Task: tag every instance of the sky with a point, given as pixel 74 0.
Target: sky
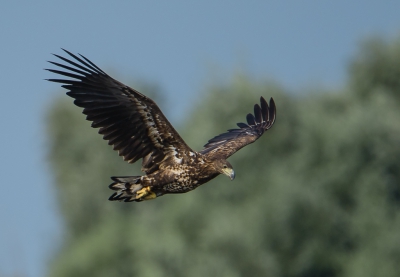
pixel 179 45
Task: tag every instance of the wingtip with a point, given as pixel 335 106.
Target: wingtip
pixel 272 104
pixel 68 52
pixel 251 119
pixel 272 111
pixel 271 101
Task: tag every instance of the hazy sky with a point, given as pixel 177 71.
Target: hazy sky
pixel 179 45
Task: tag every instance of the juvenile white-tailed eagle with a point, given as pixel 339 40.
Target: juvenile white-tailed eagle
pixel 137 129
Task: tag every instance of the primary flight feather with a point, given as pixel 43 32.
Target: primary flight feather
pixel 134 125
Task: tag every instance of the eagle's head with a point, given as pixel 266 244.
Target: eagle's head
pixel 224 167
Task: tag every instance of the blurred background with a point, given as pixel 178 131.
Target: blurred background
pixel 317 195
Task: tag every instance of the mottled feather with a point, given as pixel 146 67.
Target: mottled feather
pixel 135 126
pixel 129 120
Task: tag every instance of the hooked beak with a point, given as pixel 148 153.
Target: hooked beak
pixel 230 173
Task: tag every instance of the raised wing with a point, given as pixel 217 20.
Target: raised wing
pixel 226 144
pixel 129 120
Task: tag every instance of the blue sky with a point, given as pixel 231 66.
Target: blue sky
pixel 179 45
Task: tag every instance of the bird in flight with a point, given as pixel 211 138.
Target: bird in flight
pixel 135 126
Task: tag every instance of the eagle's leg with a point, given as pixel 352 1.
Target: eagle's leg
pixel 145 194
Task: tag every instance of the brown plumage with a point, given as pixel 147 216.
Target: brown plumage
pixel 135 127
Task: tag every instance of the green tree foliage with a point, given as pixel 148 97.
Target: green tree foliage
pixel 317 195
pixel 377 69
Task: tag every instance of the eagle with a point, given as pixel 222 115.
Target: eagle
pixel 135 126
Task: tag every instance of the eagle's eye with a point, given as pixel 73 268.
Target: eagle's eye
pixel 225 166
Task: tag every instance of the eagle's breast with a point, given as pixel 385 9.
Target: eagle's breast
pixel 186 177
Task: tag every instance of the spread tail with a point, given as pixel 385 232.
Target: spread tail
pixel 126 188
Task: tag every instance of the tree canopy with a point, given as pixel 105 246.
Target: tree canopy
pixel 318 195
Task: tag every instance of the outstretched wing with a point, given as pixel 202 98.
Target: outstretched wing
pixel 129 120
pixel 226 144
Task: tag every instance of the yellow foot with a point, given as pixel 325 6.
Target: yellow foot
pixel 145 193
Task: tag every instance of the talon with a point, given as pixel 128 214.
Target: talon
pixel 145 193
pixel 150 196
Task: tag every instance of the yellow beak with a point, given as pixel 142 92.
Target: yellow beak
pixel 229 172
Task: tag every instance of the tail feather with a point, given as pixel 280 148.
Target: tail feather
pixel 126 188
